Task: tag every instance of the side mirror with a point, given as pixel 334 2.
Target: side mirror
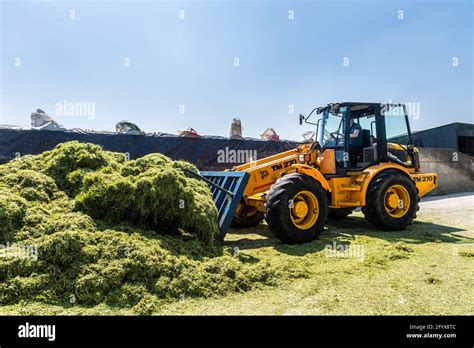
pixel 301 117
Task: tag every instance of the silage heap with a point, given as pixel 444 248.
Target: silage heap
pixel 83 226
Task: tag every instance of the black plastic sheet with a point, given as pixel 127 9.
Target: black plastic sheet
pixel 207 153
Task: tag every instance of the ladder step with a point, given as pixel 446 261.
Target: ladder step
pixel 350 188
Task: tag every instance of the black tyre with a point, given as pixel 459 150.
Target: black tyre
pixel 296 209
pixel 340 213
pixel 392 201
pixel 247 217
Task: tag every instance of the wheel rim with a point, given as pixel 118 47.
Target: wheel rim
pixel 397 201
pixel 304 210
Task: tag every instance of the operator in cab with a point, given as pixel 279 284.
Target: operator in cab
pixel 355 140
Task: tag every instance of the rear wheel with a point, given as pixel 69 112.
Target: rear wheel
pixel 392 201
pixel 296 209
pixel 246 217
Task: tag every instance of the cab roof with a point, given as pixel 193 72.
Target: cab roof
pixel 357 108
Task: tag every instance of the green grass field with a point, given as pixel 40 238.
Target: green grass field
pixel 426 269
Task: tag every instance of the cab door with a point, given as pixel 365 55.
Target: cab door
pixel 397 143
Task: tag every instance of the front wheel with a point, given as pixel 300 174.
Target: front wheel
pixel 296 209
pixel 392 201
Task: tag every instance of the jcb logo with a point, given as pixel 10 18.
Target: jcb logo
pixel 263 174
pixel 423 178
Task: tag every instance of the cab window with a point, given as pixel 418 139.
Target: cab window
pixel 396 130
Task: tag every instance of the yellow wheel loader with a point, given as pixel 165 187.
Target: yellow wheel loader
pixel 362 156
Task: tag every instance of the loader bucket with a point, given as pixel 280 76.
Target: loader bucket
pixel 227 189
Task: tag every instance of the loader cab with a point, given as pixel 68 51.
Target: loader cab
pixel 365 134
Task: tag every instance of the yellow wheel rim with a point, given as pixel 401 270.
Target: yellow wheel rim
pixel 397 201
pixel 304 209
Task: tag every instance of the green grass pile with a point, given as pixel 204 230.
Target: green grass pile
pixel 134 234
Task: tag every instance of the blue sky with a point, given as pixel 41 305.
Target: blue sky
pixel 284 63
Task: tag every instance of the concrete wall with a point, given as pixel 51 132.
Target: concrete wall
pixel 456 174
